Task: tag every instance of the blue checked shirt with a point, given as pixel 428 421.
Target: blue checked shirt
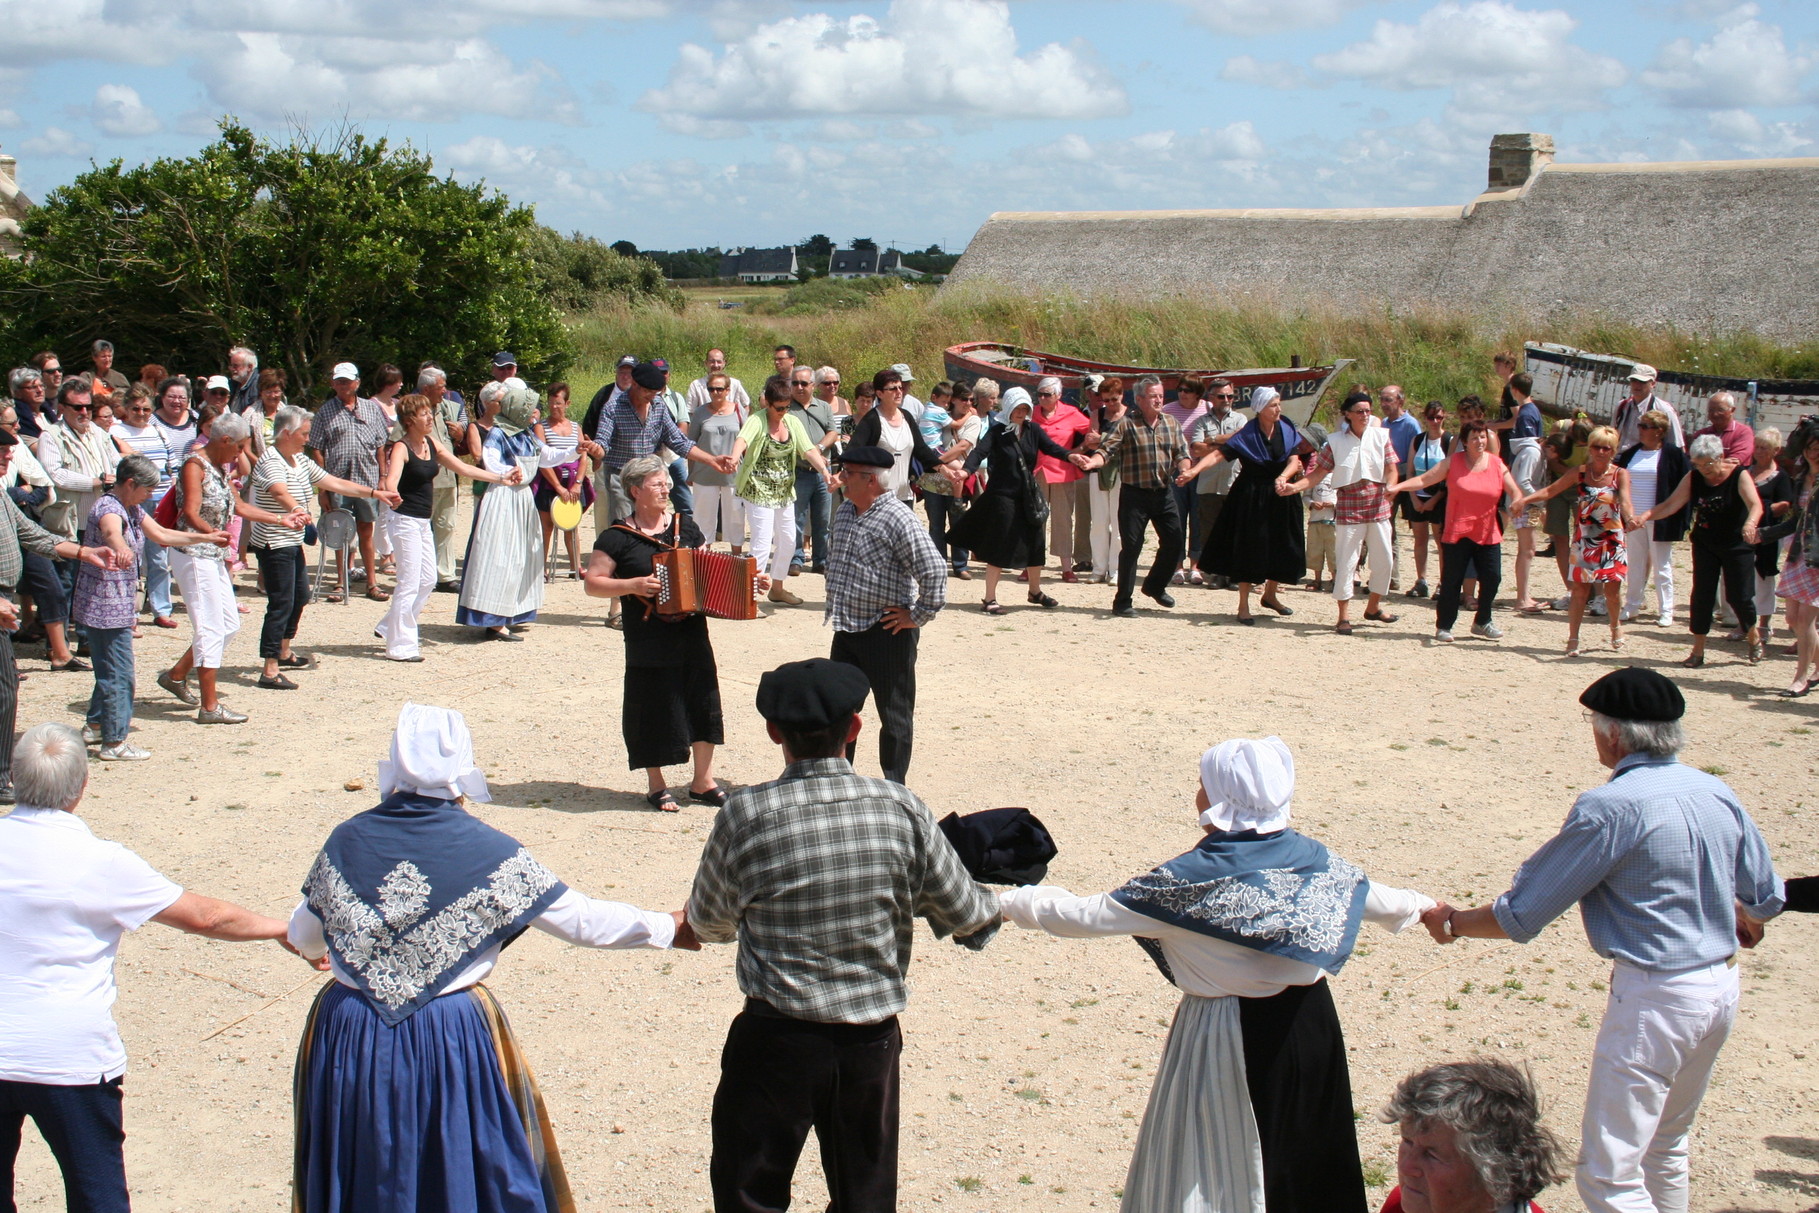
pixel 880 559
pixel 1656 859
pixel 626 436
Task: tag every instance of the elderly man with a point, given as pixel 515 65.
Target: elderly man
pixel 1641 399
pixel 1670 874
pixel 1361 461
pixel 606 398
pixel 66 899
pixel 450 433
pixel 505 366
pixel 101 355
pixel 344 439
pixel 243 373
pixel 1214 429
pixel 814 504
pixel 27 387
pixel 1151 451
pixel 1739 439
pixel 820 876
pixel 635 424
pixel 1063 483
pixel 698 395
pixel 885 580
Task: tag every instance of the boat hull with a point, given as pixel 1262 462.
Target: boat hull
pixel 1569 381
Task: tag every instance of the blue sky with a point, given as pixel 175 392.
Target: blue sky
pixel 675 123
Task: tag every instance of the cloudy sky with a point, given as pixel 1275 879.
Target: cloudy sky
pixel 675 123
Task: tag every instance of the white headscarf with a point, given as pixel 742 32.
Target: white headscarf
pixel 1249 784
pixel 432 755
pixel 1262 395
pixel 1012 398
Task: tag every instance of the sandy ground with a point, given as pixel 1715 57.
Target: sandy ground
pixel 1026 1066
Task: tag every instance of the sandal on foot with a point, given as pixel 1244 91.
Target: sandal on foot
pixel 293 662
pixel 74 665
pixel 1572 648
pixel 715 796
pixel 1381 617
pixel 278 683
pixel 990 607
pixel 1344 628
pixel 379 595
pixel 1758 651
pixel 662 801
pixel 1693 661
pixel 1043 600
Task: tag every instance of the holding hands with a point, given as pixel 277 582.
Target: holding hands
pixel 685 934
pixel 1436 920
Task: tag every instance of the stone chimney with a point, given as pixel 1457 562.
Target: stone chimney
pixel 1515 159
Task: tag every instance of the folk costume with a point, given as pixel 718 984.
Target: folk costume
pixel 1258 536
pixel 1007 524
pixel 1252 1105
pixel 411 1091
pixel 502 579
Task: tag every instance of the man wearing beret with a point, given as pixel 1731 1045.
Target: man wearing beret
pixel 820 876
pixel 631 426
pixel 885 579
pixel 1670 875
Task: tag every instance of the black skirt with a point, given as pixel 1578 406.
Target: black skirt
pixel 1301 1094
pixel 1259 535
pixel 996 530
pixel 666 710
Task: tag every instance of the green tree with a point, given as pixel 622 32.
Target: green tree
pixel 578 273
pixel 625 248
pixel 330 247
pixel 864 244
pixel 815 246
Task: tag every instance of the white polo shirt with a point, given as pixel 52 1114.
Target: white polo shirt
pixel 66 898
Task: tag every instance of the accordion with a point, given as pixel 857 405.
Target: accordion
pixel 695 581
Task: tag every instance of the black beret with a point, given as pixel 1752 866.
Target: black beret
pixel 7 438
pixel 868 457
pixel 650 375
pixel 1358 396
pixel 1633 693
pixel 813 694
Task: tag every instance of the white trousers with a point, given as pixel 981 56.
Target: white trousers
pixel 414 551
pixel 1765 596
pixel 1652 559
pixel 382 535
pixel 1350 543
pixel 1650 1067
pixel 773 537
pixel 719 501
pixel 1102 526
pixel 208 595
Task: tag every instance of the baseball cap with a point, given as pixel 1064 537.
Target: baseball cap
pixel 1642 372
pixel 661 364
pixel 345 370
pixel 505 358
pixel 902 368
pixel 629 360
pixel 217 383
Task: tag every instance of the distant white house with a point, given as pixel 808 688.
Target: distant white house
pixel 13 205
pixel 759 264
pixel 868 263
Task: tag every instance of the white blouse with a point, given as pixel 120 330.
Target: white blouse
pixel 1211 968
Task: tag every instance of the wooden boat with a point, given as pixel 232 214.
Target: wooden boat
pixel 1014 366
pixel 1570 381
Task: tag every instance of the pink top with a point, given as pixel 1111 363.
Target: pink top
pixel 1472 499
pixel 1739 441
pixel 1064 426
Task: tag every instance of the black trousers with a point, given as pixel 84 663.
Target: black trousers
pixel 889 661
pixel 1301 1094
pixel 1459 561
pixel 1138 509
pixel 286 594
pixel 780 1077
pixel 1737 567
pixel 9 712
pixel 85 1130
pixel 38 579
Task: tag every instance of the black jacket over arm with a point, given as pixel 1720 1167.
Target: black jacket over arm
pixel 1012 459
pixel 871 428
pixel 1674 467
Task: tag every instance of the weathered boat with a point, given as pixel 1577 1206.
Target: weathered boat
pixel 1014 366
pixel 1569 381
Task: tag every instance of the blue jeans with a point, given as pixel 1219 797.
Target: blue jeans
pixel 813 505
pixel 66 575
pixel 940 508
pixel 158 578
pixel 110 705
pixel 681 496
pixel 85 1130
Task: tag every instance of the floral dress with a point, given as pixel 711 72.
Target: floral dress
pixel 1598 550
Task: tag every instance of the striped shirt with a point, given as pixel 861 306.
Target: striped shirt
pixel 154 443
pixel 300 477
pixel 626 437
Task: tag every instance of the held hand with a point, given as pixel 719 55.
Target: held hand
pixel 1425 506
pixel 685 934
pixel 1749 931
pixel 320 964
pixel 9 614
pixel 101 558
pixel 1752 535
pixel 897 619
pixel 1435 922
pixel 218 538
pixel 728 464
pixel 390 498
pixel 296 520
pixel 514 477
pixel 832 481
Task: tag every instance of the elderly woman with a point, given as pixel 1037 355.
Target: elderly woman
pixel 284 480
pixel 1799 584
pixel 66 900
pixel 1007 524
pixel 1361 462
pixel 1726 510
pixel 1471 539
pixel 1655 465
pixel 940 496
pixel 1600 502
pixel 1472 1141
pixel 480 426
pixel 1106 410
pixel 1776 489
pixel 502 577
pixel 671 708
pixel 1252 1104
pixel 205 502
pixel 411 1091
pixel 103 601
pixel 1258 538
pixel 766 451
pixel 889 426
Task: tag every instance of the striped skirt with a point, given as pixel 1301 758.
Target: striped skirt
pixel 437 1113
pixel 502 578
pixel 1198 1150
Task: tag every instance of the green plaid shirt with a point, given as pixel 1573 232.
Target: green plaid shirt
pixel 1148 456
pixel 821 874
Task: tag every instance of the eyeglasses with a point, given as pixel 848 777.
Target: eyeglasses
pixel 1046 392
pixel 830 383
pixel 1225 395
pixel 891 387
pixel 802 383
pixel 80 408
pixel 1605 446
pixel 721 388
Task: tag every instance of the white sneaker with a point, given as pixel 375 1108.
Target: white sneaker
pixel 1487 631
pixel 124 751
pixel 91 735
pixel 1443 638
pixel 1598 608
pixel 1666 620
pixel 1562 602
pixel 1629 613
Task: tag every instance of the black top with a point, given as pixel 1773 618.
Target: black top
pixel 1718 510
pixel 1779 487
pixel 1671 471
pixel 869 431
pixel 414 483
pixel 1011 457
pixel 651 640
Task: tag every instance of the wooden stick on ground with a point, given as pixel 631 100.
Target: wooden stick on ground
pixel 274 1002
pixel 1457 960
pixel 226 981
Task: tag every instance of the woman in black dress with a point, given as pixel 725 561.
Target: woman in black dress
pixel 671 710
pixel 1258 537
pixel 1725 512
pixel 1007 524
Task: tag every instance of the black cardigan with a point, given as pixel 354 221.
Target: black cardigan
pixel 1012 460
pixel 1674 466
pixel 871 428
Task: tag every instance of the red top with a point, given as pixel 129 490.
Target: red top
pixel 1064 426
pixel 1394 1203
pixel 1739 441
pixel 1472 499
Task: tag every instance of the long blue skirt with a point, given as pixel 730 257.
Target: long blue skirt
pixel 434 1114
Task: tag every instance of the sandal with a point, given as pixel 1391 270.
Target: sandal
pixel 715 796
pixel 1043 600
pixel 1616 644
pixel 331 596
pixel 378 595
pixel 278 683
pixel 1276 607
pixel 74 665
pixel 1344 627
pixel 662 801
pixel 1572 647
pixel 1693 661
pixel 1381 617
pixel 1533 608
pixel 293 662
pixel 990 607
pixel 1758 651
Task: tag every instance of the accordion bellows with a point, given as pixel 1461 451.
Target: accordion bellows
pixel 695 581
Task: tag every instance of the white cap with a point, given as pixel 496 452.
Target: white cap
pixel 345 370
pixel 217 383
pixel 1642 372
pixel 902 368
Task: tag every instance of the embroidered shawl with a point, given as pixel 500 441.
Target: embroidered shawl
pixel 411 892
pixel 1282 893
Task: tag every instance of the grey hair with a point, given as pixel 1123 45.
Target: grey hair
pixel 1656 738
pixel 1048 383
pixel 230 427
pixel 1706 446
pixel 50 767
pixel 1145 384
pixel 429 375
pixel 492 391
pixel 245 353
pixel 138 469
pixel 288 419
pixel 19 376
pixel 1495 1112
pixel 988 386
pixel 101 347
pixel 1728 398
pixel 1772 436
pixel 821 374
pixel 636 471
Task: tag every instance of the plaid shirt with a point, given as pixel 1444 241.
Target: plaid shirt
pixel 821 875
pixel 349 439
pixel 1362 500
pixel 1150 455
pixel 881 558
pixel 626 436
pixel 16 532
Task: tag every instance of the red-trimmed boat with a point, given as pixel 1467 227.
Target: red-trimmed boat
pixel 1014 366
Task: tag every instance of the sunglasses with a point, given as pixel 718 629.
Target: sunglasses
pixel 1603 447
pixel 830 383
pixel 717 389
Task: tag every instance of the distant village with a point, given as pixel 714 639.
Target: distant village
pixel 815 257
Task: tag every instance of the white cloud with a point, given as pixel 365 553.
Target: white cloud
pixel 1501 63
pixel 1268 16
pixel 10 120
pixel 1262 73
pixel 119 111
pixel 55 141
pixel 1745 63
pixel 1745 132
pixel 926 57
